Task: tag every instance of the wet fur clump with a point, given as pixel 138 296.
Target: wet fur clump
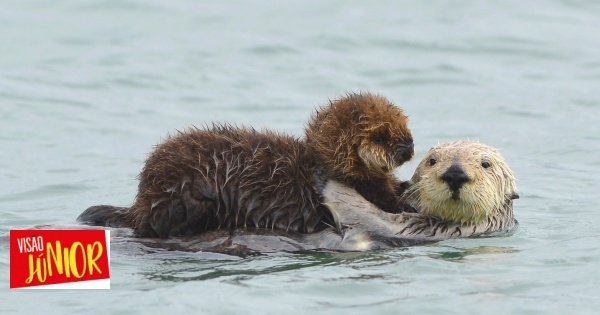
pixel 221 177
pixel 359 140
pixel 229 177
pixel 226 177
pixel 463 181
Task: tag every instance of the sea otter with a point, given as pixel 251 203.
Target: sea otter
pixel 359 141
pixel 461 189
pixel 230 177
pixel 464 181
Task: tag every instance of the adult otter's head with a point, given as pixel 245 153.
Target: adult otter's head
pixel 360 136
pixel 464 181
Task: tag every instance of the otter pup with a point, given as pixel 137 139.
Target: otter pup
pixel 228 177
pixel 359 141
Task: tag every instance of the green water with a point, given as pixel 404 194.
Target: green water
pixel 88 87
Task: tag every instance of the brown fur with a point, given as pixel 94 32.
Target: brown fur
pixel 359 140
pixel 227 177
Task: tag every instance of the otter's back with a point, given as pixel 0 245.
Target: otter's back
pixel 225 176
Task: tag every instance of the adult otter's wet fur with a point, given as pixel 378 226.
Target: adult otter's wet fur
pixel 228 177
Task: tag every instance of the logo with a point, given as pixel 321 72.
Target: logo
pixel 60 259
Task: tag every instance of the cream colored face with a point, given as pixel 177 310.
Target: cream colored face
pixel 382 148
pixel 376 158
pixel 488 183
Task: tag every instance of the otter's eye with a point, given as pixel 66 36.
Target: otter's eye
pixel 432 162
pixel 485 164
pixel 379 139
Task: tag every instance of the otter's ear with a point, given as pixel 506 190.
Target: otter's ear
pixel 512 196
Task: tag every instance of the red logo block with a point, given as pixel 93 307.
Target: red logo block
pixel 60 259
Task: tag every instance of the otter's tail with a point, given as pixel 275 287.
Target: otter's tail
pixel 106 216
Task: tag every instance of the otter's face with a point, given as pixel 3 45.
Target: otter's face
pixel 360 136
pixel 383 146
pixel 463 181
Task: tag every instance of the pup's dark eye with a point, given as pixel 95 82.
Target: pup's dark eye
pixel 378 139
pixel 432 162
pixel 485 164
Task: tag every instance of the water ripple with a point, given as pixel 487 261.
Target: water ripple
pixel 48 191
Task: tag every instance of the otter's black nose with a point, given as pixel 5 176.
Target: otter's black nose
pixel 406 150
pixel 455 177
